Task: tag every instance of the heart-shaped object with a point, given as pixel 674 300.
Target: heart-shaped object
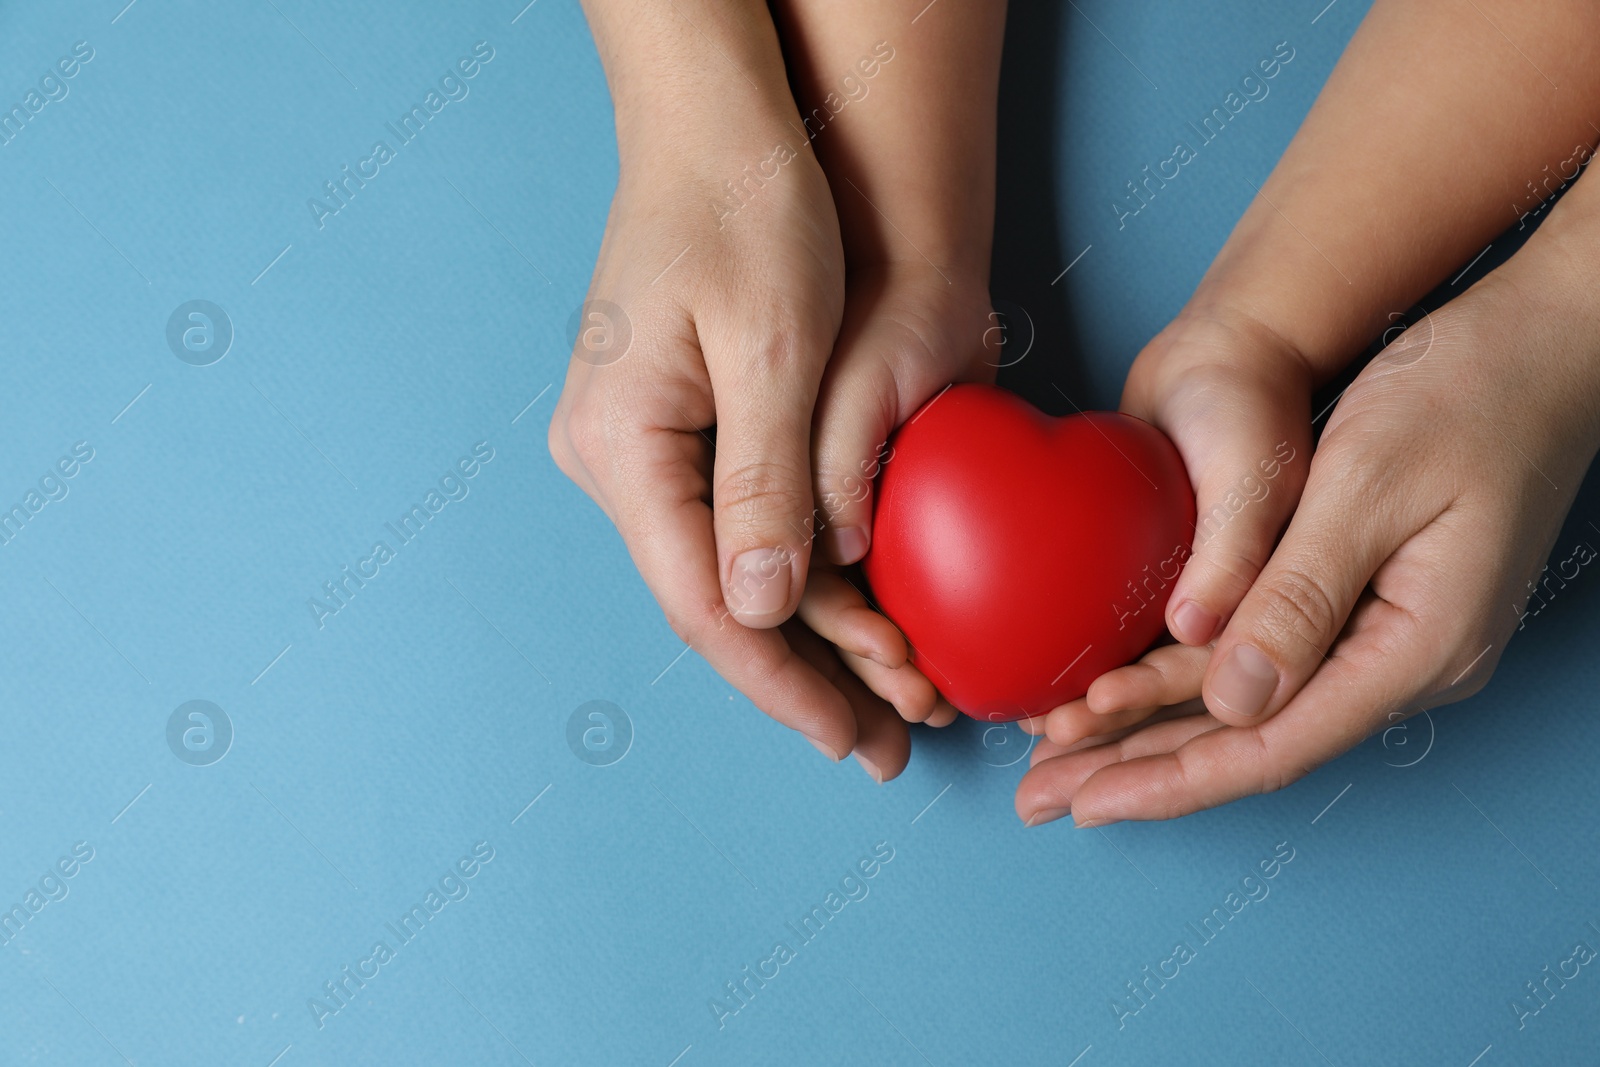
pixel 1023 556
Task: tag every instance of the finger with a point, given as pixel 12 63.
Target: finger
pixel 1281 632
pixel 905 687
pixel 1043 750
pixel 765 390
pixel 1073 723
pixel 838 613
pixel 880 374
pixel 1245 440
pixel 943 715
pixel 1373 673
pixel 871 646
pixel 867 643
pixel 857 409
pixel 1163 677
pixel 1047 749
pixel 1047 791
pixel 883 743
pixel 655 483
pixel 1167 675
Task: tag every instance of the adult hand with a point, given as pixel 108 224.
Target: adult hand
pixel 695 438
pixel 1435 496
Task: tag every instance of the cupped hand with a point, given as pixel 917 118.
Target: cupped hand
pixel 1436 494
pixel 1235 400
pixel 687 409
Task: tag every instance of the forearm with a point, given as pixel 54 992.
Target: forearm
pixel 1420 149
pixel 902 116
pixel 684 71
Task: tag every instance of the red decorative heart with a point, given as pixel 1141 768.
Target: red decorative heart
pixel 1024 556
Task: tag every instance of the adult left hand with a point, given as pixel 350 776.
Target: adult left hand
pixel 1432 502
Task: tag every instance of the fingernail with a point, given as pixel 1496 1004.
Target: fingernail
pixel 824 749
pixel 760 584
pixel 846 544
pixel 870 767
pixel 1031 725
pixel 1245 681
pixel 1044 815
pixel 1194 625
pixel 1092 822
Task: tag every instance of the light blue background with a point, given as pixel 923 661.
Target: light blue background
pixel 430 711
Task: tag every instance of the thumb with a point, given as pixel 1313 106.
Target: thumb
pixel 761 479
pixel 1245 440
pixel 1282 631
pixel 870 388
pixel 902 342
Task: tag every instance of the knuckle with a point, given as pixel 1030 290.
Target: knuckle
pixel 569 441
pixel 1294 604
pixel 780 350
pixel 692 623
pixel 585 435
pixel 833 505
pixel 1276 772
pixel 560 446
pixel 762 492
pixel 1469 667
pixel 840 492
pixel 1367 474
pixel 1279 776
pixel 1360 464
pixel 682 625
pixel 1227 566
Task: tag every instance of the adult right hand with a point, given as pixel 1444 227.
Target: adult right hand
pixel 694 435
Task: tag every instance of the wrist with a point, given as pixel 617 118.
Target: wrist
pixel 1287 292
pixel 1214 329
pixel 696 74
pixel 657 140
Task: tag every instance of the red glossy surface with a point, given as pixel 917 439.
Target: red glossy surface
pixel 1022 555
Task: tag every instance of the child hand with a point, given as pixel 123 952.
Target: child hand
pixel 907 333
pixel 1437 491
pixel 1234 399
pixel 911 160
pixel 1126 697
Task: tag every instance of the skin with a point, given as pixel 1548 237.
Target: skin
pixel 1466 439
pixel 1259 335
pixel 762 374
pixel 910 159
